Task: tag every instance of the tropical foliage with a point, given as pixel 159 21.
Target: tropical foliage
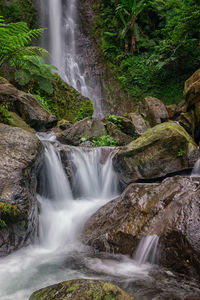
pixel 16 48
pixel 153 45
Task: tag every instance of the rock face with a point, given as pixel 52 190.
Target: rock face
pixel 81 289
pixel 139 123
pixel 153 110
pixel 26 106
pixel 86 128
pixel 90 128
pixel 192 100
pixel 169 209
pixel 101 76
pixel 19 162
pixel 192 89
pixel 163 149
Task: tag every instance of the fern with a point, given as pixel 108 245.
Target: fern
pixel 16 48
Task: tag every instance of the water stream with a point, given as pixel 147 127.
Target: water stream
pixel 59 255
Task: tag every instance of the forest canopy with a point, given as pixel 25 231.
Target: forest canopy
pixel 153 45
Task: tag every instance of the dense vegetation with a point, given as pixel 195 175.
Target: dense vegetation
pixel 25 66
pixel 153 45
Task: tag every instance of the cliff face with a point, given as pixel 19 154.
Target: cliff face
pixel 115 100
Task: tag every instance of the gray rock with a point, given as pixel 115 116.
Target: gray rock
pixel 20 159
pixel 26 106
pixel 153 110
pixel 169 209
pixel 86 128
pixel 139 123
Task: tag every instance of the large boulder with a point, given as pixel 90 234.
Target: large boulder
pixel 192 89
pixel 139 123
pixel 26 106
pixel 161 150
pixel 115 132
pixel 20 158
pixel 153 111
pixel 86 128
pixel 192 101
pixel 169 209
pixel 81 289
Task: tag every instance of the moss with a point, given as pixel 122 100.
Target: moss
pixel 9 213
pixel 66 102
pixel 81 289
pixel 5 116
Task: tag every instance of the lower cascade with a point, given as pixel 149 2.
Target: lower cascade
pixel 64 207
pixel 71 188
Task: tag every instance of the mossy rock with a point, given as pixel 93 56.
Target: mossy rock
pixel 67 103
pixel 161 150
pixel 81 289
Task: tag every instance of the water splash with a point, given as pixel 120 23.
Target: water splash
pixel 94 176
pixel 147 250
pixel 196 169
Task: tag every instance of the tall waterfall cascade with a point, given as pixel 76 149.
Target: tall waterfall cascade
pixel 63 41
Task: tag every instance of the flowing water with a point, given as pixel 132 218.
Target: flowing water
pixel 59 255
pixel 66 44
pixel 196 169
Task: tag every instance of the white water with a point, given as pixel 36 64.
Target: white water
pixel 196 169
pixel 62 217
pixel 63 42
pixel 147 250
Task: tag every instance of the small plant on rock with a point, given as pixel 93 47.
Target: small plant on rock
pixel 104 140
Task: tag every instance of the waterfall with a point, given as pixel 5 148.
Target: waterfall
pixel 67 51
pixel 65 205
pixel 62 211
pixel 196 169
pixel 147 250
pixel 94 176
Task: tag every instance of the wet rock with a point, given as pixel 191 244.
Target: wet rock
pixel 81 289
pixel 140 124
pixel 169 209
pixel 18 122
pixel 187 121
pixel 115 132
pixel 161 150
pixel 26 106
pixel 20 159
pixel 171 109
pixel 124 124
pixel 192 89
pixel 153 111
pixel 86 128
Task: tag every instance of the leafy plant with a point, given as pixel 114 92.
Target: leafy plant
pixel 128 12
pixel 5 116
pixel 180 152
pixel 104 140
pixel 86 110
pixel 42 101
pixel 16 48
pixel 114 119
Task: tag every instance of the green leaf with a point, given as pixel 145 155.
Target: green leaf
pixel 45 85
pixel 22 77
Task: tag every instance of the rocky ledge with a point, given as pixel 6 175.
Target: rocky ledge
pixel 169 209
pixel 20 160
